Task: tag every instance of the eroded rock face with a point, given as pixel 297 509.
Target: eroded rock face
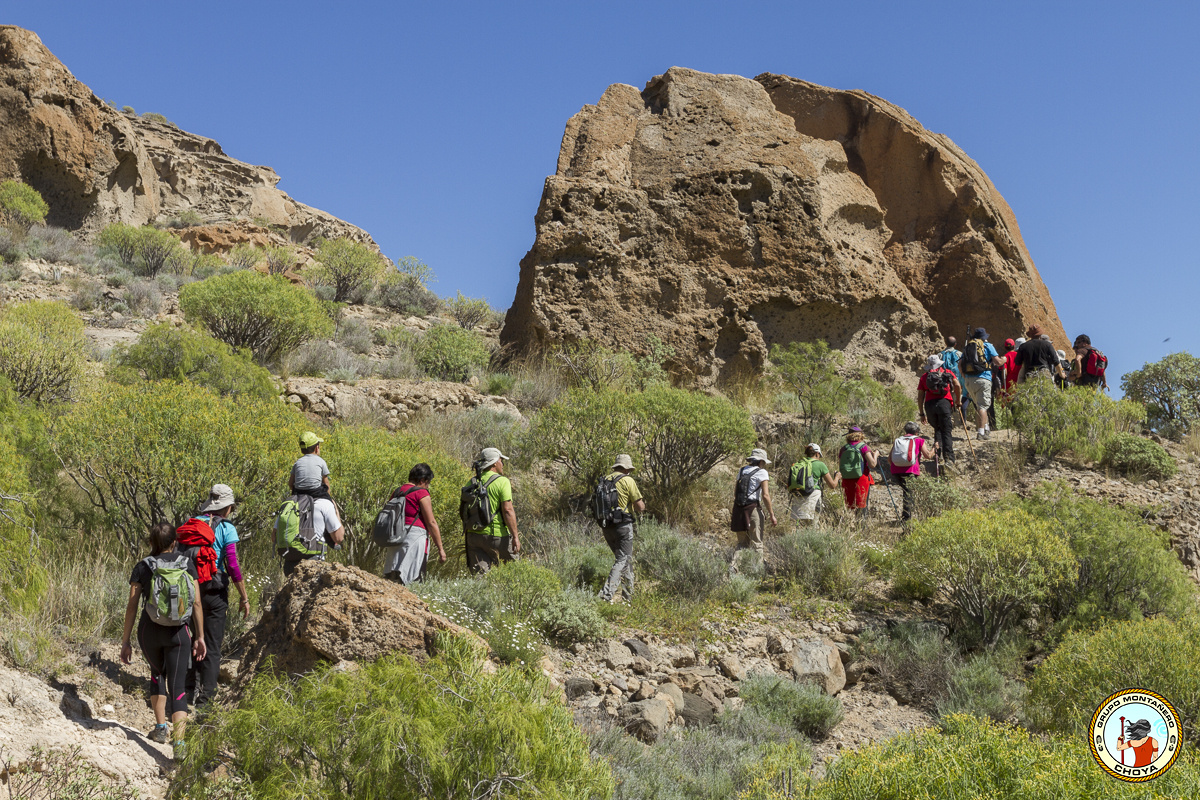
pixel 697 212
pixel 95 165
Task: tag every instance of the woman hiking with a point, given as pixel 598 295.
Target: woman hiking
pixel 406 561
pixel 166 580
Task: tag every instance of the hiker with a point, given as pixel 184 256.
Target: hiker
pixel 499 541
pixel 855 462
pixel 1064 368
pixel 618 532
pixel 214 593
pixel 938 393
pixel 1089 365
pixel 165 634
pixel 905 459
pixel 310 473
pixel 1010 366
pixel 806 479
pixel 978 360
pixel 950 358
pixel 751 493
pixel 305 528
pixel 1035 356
pixel 406 561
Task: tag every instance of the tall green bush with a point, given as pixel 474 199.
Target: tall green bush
pixel 397 729
pixel 21 205
pixel 42 350
pixel 22 577
pixel 468 312
pixel 813 371
pixel 1170 391
pixel 154 248
pixel 992 566
pixel 583 431
pixel 145 453
pixel 1052 421
pixel 164 352
pixel 450 353
pixel 1138 457
pixel 120 240
pixel 350 267
pixel 264 313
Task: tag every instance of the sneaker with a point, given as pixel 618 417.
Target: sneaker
pixel 982 435
pixel 179 751
pixel 160 733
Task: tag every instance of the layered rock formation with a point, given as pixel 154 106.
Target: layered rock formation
pixel 701 212
pixel 95 165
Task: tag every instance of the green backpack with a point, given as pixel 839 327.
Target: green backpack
pixel 801 479
pixel 850 461
pixel 172 592
pixel 294 528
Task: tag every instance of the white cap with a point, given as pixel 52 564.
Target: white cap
pixel 489 456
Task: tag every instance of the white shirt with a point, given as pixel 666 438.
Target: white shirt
pixel 325 517
pixel 757 479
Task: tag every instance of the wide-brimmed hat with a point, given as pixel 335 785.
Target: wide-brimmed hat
pixel 220 497
pixel 933 362
pixel 623 462
pixel 489 456
pixel 1033 332
pixel 980 333
pixel 309 439
pixel 758 454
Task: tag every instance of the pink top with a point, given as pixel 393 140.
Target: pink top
pixel 412 506
pixel 915 469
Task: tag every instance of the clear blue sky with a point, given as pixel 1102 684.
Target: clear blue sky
pixel 433 125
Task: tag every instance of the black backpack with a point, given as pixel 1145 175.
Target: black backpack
pixel 974 358
pixel 389 523
pixel 937 381
pixel 741 493
pixel 474 508
pixel 605 504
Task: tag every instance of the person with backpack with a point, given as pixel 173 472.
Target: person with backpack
pixel 855 462
pixel 978 360
pixel 614 502
pixel 214 592
pixel 166 581
pixel 1010 367
pixel 751 492
pixel 1089 366
pixel 938 393
pixel 905 460
pixel 950 358
pixel 310 473
pixel 497 539
pixel 406 561
pixel 1036 356
pixel 806 479
pixel 305 527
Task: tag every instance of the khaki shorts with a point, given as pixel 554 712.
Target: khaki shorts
pixel 806 507
pixel 980 390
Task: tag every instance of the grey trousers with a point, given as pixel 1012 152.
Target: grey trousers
pixel 485 552
pixel 620 541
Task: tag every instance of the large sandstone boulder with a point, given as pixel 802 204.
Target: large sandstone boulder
pixel 330 612
pixel 701 212
pixel 95 165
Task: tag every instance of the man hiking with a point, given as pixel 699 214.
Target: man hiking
pixel 905 460
pixel 978 360
pixel 326 530
pixel 500 541
pixel 1089 366
pixel 1036 356
pixel 806 480
pixel 950 357
pixel 618 525
pixel 855 462
pixel 310 473
pixel 750 494
pixel 938 393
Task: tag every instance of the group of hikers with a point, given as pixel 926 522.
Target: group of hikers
pixel 183 585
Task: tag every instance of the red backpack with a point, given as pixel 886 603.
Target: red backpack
pixel 1095 363
pixel 196 538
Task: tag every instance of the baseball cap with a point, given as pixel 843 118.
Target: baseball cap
pixel 489 456
pixel 308 439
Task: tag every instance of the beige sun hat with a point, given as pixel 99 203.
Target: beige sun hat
pixel 623 462
pixel 489 456
pixel 220 497
pixel 758 454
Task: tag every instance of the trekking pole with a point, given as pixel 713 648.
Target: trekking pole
pixel 967 431
pixel 887 484
pixel 1121 739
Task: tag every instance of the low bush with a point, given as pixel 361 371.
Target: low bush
pixel 464 433
pixel 1159 654
pixel 449 353
pixel 53 244
pixel 681 565
pixel 395 728
pixel 322 357
pixel 914 659
pixel 53 773
pixel 823 562
pixel 166 353
pixel 355 335
pixel 468 312
pixel 11 251
pixel 21 205
pixel 934 496
pixel 798 705
pixel 589 365
pixel 189 217
pixel 1081 420
pixel 279 259
pixel 981 688
pixel 42 350
pixel 1170 391
pixel 571 616
pixel 405 289
pixel 142 298
pixel 1137 457
pixel 350 267
pixel 991 566
pixel 244 256
pixel 264 313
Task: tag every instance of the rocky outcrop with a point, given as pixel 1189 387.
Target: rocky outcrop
pixel 698 212
pixel 95 165
pixel 397 401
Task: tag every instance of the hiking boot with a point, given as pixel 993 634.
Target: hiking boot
pixel 160 733
pixel 982 435
pixel 178 751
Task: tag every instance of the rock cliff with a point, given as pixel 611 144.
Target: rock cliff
pixel 703 212
pixel 94 164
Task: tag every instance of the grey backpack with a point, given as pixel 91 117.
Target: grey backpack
pixel 172 592
pixel 389 526
pixel 474 507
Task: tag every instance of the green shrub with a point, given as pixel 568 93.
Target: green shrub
pixel 165 352
pixel 1127 569
pixel 1159 654
pixel 264 313
pixel 813 371
pixel 982 689
pixel 42 350
pixel 799 705
pixel 966 758
pixel 1170 391
pixel 355 335
pixel 350 267
pixel 398 729
pixel 154 116
pixel 244 256
pixel 582 432
pixel 825 563
pixel 22 577
pixel 49 774
pixel 405 289
pixel 933 496
pixel 189 217
pixel 680 564
pixel 449 353
pixel 53 244
pixel 146 453
pixel 570 616
pixel 649 369
pixel 992 566
pixel 589 365
pixel 21 205
pixel 525 586
pixel 914 659
pixel 120 240
pixel 279 259
pixel 1079 420
pixel 185 262
pixel 468 312
pixel 1137 457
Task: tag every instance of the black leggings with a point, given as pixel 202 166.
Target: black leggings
pixel 202 677
pixel 168 651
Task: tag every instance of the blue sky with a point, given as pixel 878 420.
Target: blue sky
pixel 433 126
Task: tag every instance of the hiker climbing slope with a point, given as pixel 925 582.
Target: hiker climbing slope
pixel 806 479
pixel 497 539
pixel 978 360
pixel 855 462
pixel 616 499
pixel 938 392
pixel 1089 366
pixel 751 493
pixel 905 461
pixel 406 561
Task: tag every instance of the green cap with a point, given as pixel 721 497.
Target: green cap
pixel 308 439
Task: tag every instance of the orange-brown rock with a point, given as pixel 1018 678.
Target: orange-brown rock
pixel 95 165
pixel 698 212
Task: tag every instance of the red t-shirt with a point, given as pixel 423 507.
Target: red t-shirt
pixel 932 396
pixel 1010 377
pixel 412 505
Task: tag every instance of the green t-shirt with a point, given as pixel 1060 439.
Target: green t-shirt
pixel 819 470
pixel 499 491
pixel 628 492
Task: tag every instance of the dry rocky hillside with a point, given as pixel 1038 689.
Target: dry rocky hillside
pixel 723 215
